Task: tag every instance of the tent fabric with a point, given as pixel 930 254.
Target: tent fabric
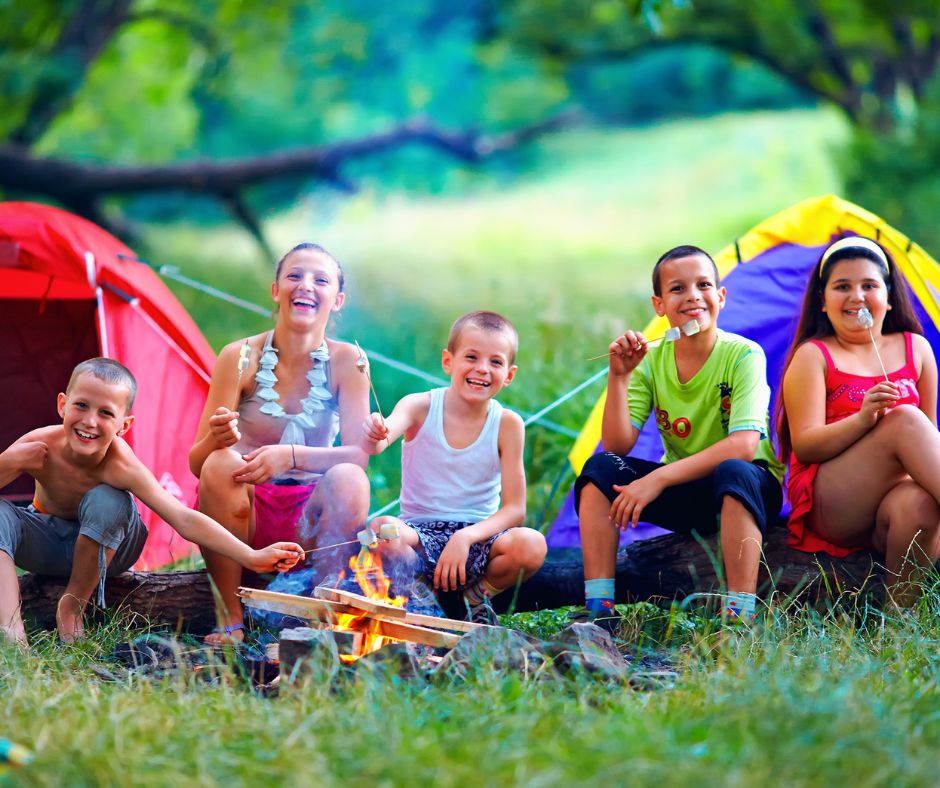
pixel 765 272
pixel 70 291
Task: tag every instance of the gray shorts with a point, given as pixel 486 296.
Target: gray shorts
pixel 45 544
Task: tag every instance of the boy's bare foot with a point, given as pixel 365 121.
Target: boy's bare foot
pixel 224 636
pixel 68 619
pixel 16 636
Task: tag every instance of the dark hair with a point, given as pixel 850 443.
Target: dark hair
pixel 109 371
pixel 675 253
pixel 815 324
pixel 306 246
pixel 491 322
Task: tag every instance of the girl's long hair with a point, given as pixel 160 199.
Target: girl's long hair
pixel 815 324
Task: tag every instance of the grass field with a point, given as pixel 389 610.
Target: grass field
pixel 849 697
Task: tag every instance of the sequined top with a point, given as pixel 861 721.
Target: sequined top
pixel 266 419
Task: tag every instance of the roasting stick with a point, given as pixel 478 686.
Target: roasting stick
pixel 865 320
pixel 673 333
pixel 244 359
pixel 366 537
pixel 363 365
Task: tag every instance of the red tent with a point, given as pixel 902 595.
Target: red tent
pixel 70 291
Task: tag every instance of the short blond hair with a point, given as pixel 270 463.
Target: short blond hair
pixel 491 322
pixel 109 371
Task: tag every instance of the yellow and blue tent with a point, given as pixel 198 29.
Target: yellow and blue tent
pixel 766 271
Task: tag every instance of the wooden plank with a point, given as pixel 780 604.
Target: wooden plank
pixel 401 631
pixel 360 602
pixel 294 605
pixel 395 613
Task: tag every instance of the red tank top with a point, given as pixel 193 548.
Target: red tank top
pixel 845 391
pixel 844 394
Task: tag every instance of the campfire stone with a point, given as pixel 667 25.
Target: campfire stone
pixel 587 648
pixel 494 649
pixel 306 652
pixel 395 659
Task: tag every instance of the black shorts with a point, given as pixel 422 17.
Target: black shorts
pixel 690 506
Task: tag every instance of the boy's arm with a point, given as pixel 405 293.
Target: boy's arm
pixel 618 432
pixel 451 569
pixel 406 418
pixel 129 473
pixel 25 455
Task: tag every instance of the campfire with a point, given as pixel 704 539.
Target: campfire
pixel 374 618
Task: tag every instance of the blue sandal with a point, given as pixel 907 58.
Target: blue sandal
pixel 227 630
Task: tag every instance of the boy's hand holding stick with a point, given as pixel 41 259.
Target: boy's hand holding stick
pixel 673 333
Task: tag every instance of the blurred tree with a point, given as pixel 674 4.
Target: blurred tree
pixel 293 91
pixel 871 58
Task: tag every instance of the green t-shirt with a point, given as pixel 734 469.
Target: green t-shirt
pixel 729 393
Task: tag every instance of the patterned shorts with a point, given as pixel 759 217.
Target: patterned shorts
pixel 434 536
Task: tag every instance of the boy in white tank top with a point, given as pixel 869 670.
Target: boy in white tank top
pixel 463 497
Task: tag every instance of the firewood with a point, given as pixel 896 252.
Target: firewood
pixel 360 602
pixel 380 610
pixel 401 631
pixel 293 605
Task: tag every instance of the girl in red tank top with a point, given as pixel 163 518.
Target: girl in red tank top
pixel 862 446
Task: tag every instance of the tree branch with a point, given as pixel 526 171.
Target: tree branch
pixel 75 184
pixel 84 35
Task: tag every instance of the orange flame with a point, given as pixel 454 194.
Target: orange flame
pixel 367 569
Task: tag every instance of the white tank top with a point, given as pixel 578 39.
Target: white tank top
pixel 439 482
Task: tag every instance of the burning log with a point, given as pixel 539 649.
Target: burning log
pixel 366 616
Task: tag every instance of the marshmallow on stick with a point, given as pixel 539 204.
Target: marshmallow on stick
pixel 865 320
pixel 673 333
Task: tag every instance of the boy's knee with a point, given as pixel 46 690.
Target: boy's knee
pixel 526 546
pixel 10 528
pixel 731 471
pixel 105 514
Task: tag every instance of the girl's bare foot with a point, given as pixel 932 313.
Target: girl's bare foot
pixel 68 618
pixel 15 635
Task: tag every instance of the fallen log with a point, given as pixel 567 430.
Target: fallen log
pixel 661 569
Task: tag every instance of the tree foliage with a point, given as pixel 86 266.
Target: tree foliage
pixel 868 57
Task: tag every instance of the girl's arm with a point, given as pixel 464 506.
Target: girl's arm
pixel 352 391
pixel 218 425
pixel 804 397
pixel 927 380
pixel 405 419
pixel 451 570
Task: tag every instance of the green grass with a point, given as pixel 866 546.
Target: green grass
pixel 563 250
pixel 806 700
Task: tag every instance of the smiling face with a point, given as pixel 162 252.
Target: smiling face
pixel 479 365
pixel 854 283
pixel 307 289
pixel 689 292
pixel 93 413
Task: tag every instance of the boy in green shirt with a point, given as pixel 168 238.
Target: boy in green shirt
pixel 710 396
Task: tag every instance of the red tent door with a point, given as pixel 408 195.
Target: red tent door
pixel 40 342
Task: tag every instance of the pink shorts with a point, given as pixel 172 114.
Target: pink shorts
pixel 278 509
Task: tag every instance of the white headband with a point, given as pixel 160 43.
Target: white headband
pixel 855 242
